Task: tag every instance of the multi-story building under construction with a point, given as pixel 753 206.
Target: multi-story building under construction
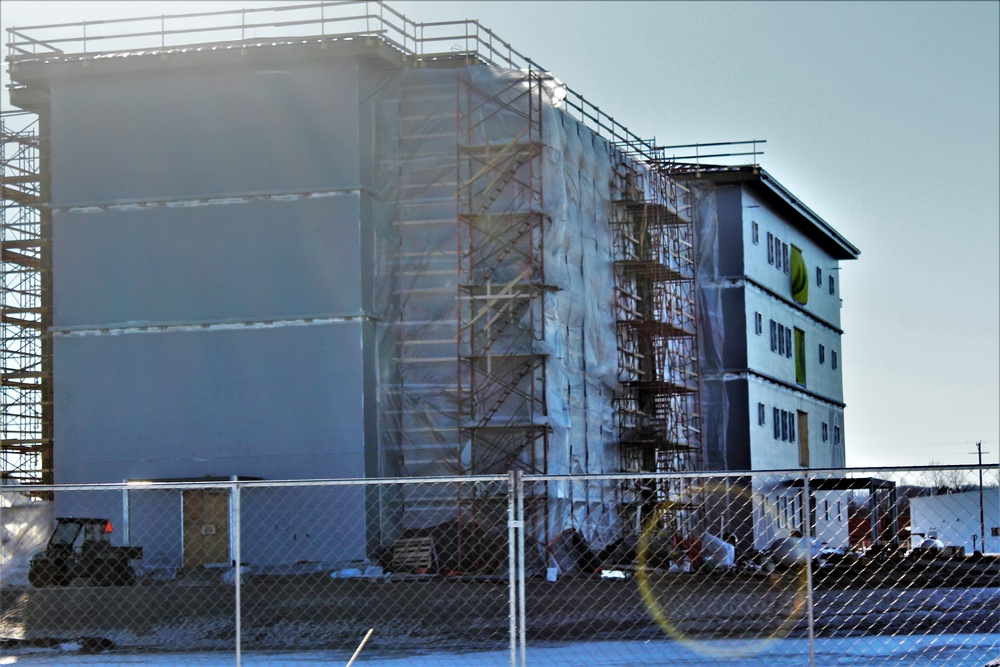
pixel 316 243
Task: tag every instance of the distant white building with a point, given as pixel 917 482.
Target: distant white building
pixel 781 512
pixel 953 518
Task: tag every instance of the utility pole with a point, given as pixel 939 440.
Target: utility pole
pixel 982 522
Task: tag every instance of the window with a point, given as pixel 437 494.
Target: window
pixel 833 359
pixel 791 427
pixel 800 355
pixel 761 414
pixel 784 254
pixel 781 339
pixel 788 342
pixel 826 432
pixel 826 510
pixel 774 336
pixel 822 354
pixel 758 323
pixel 836 435
pixel 784 425
pixel 777 423
pixel 819 277
pixel 756 233
pixel 832 288
pixel 802 418
pixel 770 248
pixel 777 252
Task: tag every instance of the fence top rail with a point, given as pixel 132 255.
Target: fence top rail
pixel 244 483
pixel 262 25
pixel 777 472
pixel 798 473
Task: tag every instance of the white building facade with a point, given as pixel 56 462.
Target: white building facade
pixel 772 362
pixel 954 518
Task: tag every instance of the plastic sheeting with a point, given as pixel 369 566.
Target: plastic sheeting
pixel 722 553
pixel 711 330
pixel 417 291
pixel 580 338
pixel 25 527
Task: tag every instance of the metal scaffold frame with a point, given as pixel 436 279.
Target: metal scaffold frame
pixel 658 408
pixel 501 284
pixel 25 413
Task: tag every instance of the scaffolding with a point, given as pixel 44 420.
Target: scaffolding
pixel 419 380
pixel 26 411
pixel 658 408
pixel 501 285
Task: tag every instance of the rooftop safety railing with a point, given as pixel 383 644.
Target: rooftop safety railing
pixel 302 24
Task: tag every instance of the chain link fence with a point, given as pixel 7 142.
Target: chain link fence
pixel 891 566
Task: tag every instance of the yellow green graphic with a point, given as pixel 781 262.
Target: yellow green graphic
pixel 800 277
pixel 800 356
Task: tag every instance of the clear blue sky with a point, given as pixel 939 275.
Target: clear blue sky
pixel 883 117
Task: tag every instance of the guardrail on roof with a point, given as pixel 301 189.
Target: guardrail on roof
pixel 299 23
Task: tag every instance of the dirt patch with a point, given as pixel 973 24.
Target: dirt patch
pixel 316 611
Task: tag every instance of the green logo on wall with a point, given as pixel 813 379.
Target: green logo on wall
pixel 800 277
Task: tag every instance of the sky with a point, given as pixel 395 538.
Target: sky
pixel 882 117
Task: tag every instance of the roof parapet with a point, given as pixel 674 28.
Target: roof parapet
pixel 777 194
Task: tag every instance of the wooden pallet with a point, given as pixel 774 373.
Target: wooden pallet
pixel 413 554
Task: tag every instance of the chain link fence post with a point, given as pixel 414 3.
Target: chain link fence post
pixel 512 564
pixel 126 524
pixel 515 500
pixel 522 614
pixel 234 509
pixel 810 529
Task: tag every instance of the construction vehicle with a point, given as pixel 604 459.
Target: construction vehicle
pixel 82 548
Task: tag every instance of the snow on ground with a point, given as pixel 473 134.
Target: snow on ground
pixel 904 651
